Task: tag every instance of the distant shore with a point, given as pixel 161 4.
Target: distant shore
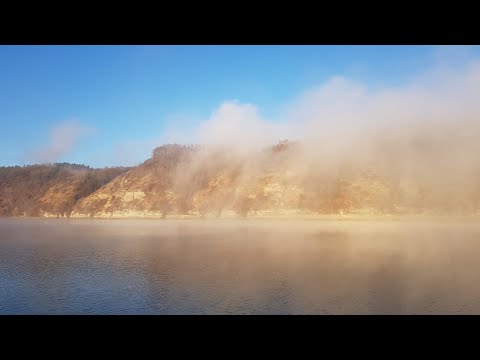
pixel 333 217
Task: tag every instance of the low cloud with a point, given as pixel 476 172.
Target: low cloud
pixel 342 110
pixel 62 140
pixel 240 126
pixel 345 118
pixel 421 136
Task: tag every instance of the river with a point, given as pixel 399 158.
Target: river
pixel 239 266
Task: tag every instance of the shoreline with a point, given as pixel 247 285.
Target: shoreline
pixel 345 217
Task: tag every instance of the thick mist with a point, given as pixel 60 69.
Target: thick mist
pixel 416 145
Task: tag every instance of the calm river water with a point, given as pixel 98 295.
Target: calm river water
pixel 239 267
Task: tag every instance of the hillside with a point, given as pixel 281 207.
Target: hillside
pixel 49 190
pixel 191 181
pixel 281 180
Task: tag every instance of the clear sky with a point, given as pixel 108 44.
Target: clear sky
pixel 128 97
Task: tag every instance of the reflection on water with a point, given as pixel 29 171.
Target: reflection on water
pixel 238 267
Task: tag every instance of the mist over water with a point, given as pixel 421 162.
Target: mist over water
pixel 239 266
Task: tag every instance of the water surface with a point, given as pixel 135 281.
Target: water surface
pixel 239 267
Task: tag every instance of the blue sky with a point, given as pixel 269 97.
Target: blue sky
pixel 129 96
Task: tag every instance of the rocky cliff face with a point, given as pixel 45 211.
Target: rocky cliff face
pixel 191 181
